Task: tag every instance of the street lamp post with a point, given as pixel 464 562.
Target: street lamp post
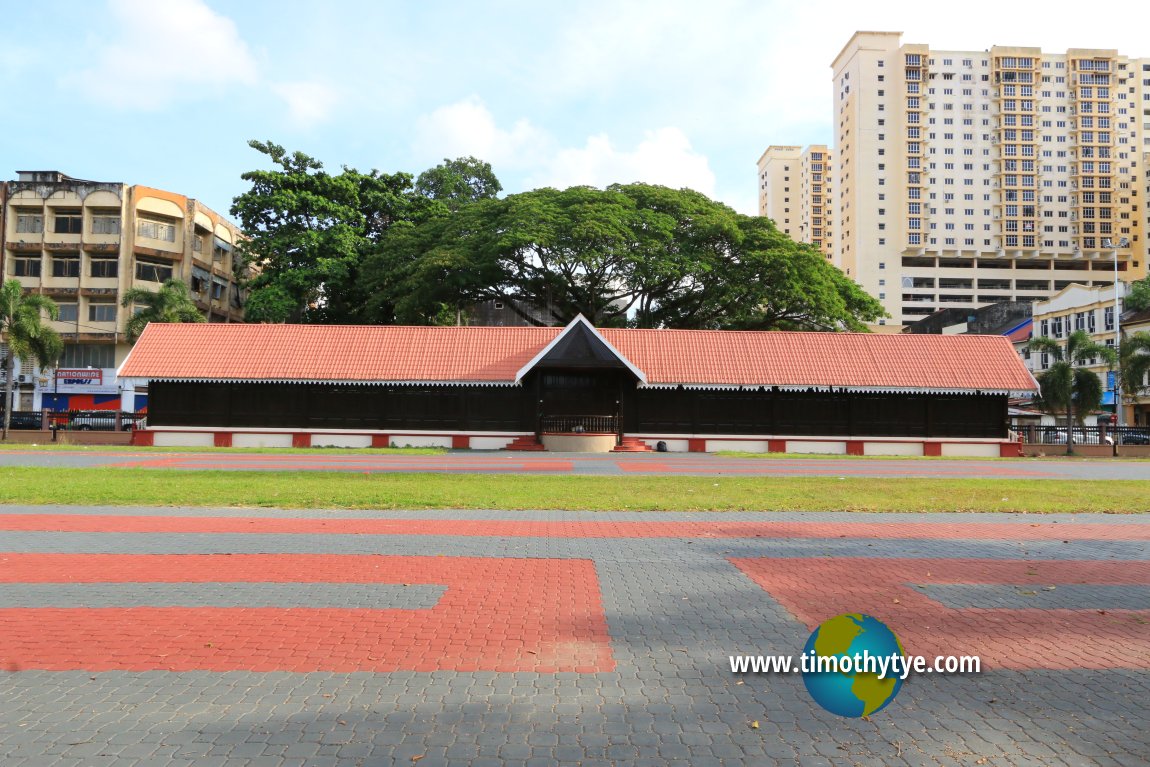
pixel 1122 243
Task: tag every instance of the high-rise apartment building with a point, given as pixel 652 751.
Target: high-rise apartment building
pixel 795 192
pixel 83 244
pixel 965 178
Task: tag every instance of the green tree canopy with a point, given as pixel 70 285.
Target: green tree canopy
pixel 1135 363
pixel 309 229
pixel 636 253
pixel 1138 297
pixel 1067 388
pixel 171 303
pixel 458 182
pixel 27 336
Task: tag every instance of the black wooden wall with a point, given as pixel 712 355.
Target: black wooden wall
pixel 654 411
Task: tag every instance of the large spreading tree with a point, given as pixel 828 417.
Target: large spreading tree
pixel 637 254
pixel 378 248
pixel 308 230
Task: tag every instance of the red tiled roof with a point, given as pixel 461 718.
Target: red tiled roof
pixel 854 360
pixel 496 354
pixel 333 352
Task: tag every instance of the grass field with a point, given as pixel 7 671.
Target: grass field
pixel 343 490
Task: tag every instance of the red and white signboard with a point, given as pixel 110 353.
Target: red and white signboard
pixel 80 376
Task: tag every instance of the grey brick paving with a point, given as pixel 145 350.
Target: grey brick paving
pixel 375 596
pixel 1065 597
pixel 675 609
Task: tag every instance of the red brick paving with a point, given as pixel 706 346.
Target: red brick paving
pixel 816 589
pixel 578 529
pixel 542 615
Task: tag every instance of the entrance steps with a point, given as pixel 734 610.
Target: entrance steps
pixel 526 443
pixel 632 445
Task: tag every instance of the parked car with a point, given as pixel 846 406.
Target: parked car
pixel 24 419
pixel 1056 436
pixel 1136 437
pixel 94 420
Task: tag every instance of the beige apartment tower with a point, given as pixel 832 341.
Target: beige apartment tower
pixel 795 192
pixel 964 178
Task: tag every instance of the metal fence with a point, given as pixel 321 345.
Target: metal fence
pixel 579 424
pixel 76 420
pixel 1085 435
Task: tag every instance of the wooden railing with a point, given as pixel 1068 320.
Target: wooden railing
pixel 579 424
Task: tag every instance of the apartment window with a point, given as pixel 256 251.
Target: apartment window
pixel 29 223
pixel 1108 318
pixel 66 265
pixel 68 221
pixel 88 356
pixel 106 222
pixel 156 230
pixel 101 312
pixel 69 312
pixel 26 266
pixel 104 267
pixel 153 271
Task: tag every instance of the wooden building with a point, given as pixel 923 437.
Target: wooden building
pixel 577 388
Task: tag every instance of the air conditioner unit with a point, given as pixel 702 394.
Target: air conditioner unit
pixel 22 379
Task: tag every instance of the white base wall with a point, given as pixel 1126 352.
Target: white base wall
pixel 184 439
pixel 419 440
pixel 490 443
pixel 678 443
pixel 820 447
pixel 341 440
pixel 970 449
pixel 742 445
pixel 239 439
pixel 895 448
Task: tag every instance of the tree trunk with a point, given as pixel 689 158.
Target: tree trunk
pixel 9 369
pixel 1070 426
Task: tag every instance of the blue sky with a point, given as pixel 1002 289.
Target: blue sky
pixel 167 92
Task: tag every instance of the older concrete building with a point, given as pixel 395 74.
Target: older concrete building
pixel 83 244
pixel 972 177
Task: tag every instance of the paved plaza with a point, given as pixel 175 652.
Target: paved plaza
pixel 591 464
pixel 253 637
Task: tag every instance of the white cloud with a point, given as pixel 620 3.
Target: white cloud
pixel 467 127
pixel 164 51
pixel 664 156
pixel 309 102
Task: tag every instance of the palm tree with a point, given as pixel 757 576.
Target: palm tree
pixel 27 336
pixel 171 303
pixel 1135 363
pixel 1065 386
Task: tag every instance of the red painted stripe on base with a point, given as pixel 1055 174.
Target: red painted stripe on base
pixel 1036 531
pixel 814 590
pixel 542 615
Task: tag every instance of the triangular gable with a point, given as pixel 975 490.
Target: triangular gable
pixel 580 345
